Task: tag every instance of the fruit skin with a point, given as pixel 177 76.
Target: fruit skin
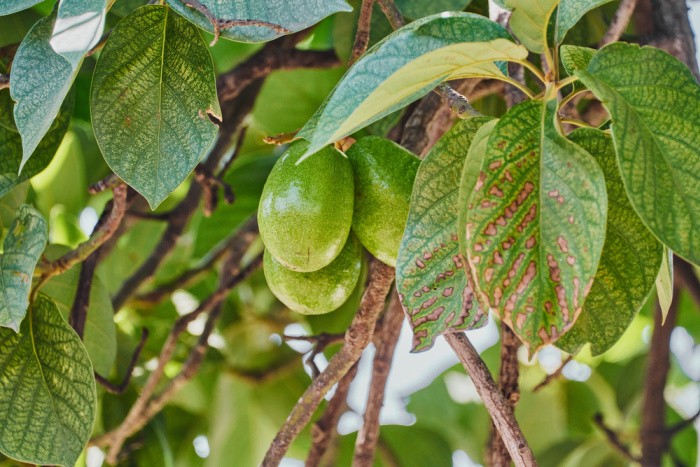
pixel 384 174
pixel 305 210
pixel 317 292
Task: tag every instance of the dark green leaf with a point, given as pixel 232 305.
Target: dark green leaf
pixel 536 225
pixel 628 265
pixel 152 95
pixel 47 399
pixel 419 8
pixel 430 277
pixel 653 100
pixel 13 28
pixel 292 15
pixel 22 248
pixel 12 6
pixel 570 12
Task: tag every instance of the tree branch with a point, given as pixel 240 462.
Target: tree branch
pixel 619 22
pixel 320 342
pixel 614 439
pixel 363 29
pixel 686 275
pixel 121 387
pixel 551 377
pixel 385 341
pixel 392 13
pixel 497 406
pixel 356 339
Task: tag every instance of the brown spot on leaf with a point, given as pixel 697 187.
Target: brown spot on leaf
pixel 495 164
pixel 571 219
pixel 490 229
pixel 448 291
pixel 427 255
pixel 497 295
pixel 571 260
pixel 497 258
pixel 530 242
pixel 420 264
pixel 496 191
pixel 563 244
pixel 488 274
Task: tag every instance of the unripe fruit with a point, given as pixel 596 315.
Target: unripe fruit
pixel 305 210
pixel 317 292
pixel 384 174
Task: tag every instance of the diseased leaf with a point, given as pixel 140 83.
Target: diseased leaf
pixel 628 265
pixel 418 9
pixel 40 80
pixel 536 225
pixel 292 15
pixel 7 7
pixel 570 12
pixel 78 27
pixel 23 245
pixel 405 66
pixel 47 399
pixel 434 289
pixel 11 144
pixel 664 283
pixel 529 20
pixel 152 94
pixel 653 101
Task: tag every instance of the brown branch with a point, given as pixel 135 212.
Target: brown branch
pixel 110 182
pixel 320 342
pixel 653 430
pixel 392 13
pixel 551 377
pixel 362 35
pixel 619 22
pixel 686 275
pixel 614 439
pixel 4 81
pixel 508 385
pixel 682 425
pixel 356 339
pixel 121 387
pixel 500 411
pixel 385 342
pixel 325 428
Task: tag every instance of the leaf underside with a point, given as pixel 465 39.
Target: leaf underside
pixel 529 20
pixel 570 12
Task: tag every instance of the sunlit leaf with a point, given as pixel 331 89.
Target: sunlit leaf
pixel 653 100
pixel 23 245
pixel 430 277
pixel 628 265
pixel 529 20
pixel 405 66
pixel 152 95
pixel 536 226
pixel 78 27
pixel 664 283
pixel 47 399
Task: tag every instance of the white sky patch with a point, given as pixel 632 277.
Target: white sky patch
pixel 576 371
pixel 77 33
pixel 87 220
pixel 201 446
pixel 184 302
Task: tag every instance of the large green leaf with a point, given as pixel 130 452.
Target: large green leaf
pixel 11 144
pixel 529 21
pixel 40 80
pixel 47 395
pixel 570 12
pixel 405 66
pixel 152 95
pixel 13 6
pixel 430 277
pixel 536 228
pixel 292 15
pixel 654 102
pixel 628 265
pixel 23 245
pixel 78 27
pixel 418 9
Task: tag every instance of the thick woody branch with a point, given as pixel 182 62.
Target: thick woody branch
pixel 619 22
pixel 356 339
pixel 500 411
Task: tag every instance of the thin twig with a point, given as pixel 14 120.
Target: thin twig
pixel 682 425
pixel 357 337
pixel 500 411
pixel 362 35
pixel 121 387
pixel 552 376
pixel 614 439
pixel 320 343
pixel 110 182
pixel 385 341
pixel 619 22
pixel 392 13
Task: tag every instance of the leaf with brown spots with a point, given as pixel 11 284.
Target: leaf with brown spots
pixel 628 266
pixel 429 276
pixel 536 228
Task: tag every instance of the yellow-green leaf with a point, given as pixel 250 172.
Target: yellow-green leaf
pixel 529 21
pixel 664 283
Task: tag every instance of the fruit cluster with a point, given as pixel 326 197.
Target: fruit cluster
pixel 316 215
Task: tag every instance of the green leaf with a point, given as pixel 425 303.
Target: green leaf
pixel 664 283
pixel 47 399
pixel 575 58
pixel 292 15
pixel 628 265
pixel 13 28
pixel 570 12
pixel 23 245
pixel 11 144
pixel 40 80
pixel 434 289
pixel 529 21
pixel 78 27
pixel 100 337
pixel 418 9
pixel 13 6
pixel 405 66
pixel 653 100
pixel 152 94
pixel 536 226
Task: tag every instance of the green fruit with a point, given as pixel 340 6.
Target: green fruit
pixel 305 210
pixel 317 292
pixel 384 174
